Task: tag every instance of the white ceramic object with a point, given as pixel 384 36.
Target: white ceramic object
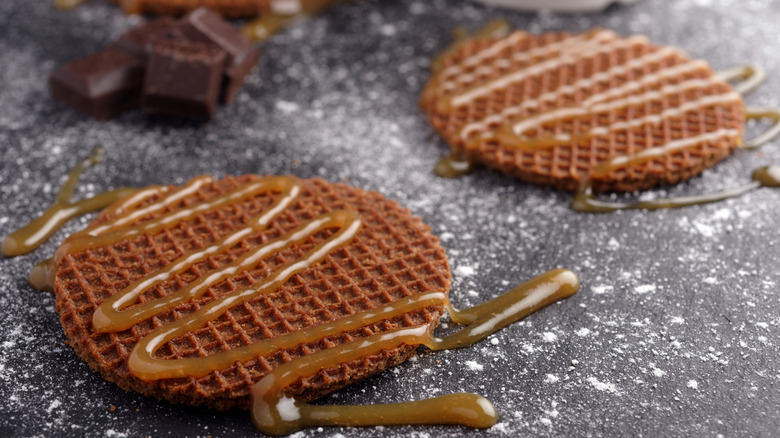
pixel 556 5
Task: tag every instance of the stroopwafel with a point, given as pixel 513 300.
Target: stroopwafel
pixel 559 109
pixel 164 254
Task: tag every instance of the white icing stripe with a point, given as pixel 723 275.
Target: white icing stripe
pixel 449 82
pixel 656 119
pixel 671 112
pixel 564 46
pixel 485 53
pixel 588 82
pixel 570 55
pixel 659 151
pixel 585 109
pixel 649 79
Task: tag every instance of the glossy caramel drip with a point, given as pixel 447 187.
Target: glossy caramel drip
pixel 39 230
pixel 768 176
pixel 271 22
pixel 275 413
pixel 763 177
pixel 454 165
pixel 585 201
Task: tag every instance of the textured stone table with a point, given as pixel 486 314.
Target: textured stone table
pixel 674 332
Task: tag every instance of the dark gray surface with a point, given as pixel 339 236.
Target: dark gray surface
pixel 674 332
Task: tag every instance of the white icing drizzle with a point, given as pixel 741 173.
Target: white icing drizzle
pixel 570 54
pixel 562 46
pixel 550 96
pixel 641 99
pixel 655 119
pixel 659 151
pixel 493 50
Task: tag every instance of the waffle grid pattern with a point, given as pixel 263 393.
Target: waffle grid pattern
pixel 393 256
pixel 566 164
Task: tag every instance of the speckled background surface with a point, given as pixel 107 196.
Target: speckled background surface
pixel 674 332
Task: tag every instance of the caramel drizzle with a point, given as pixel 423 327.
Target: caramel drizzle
pixel 34 234
pixel 110 316
pixel 566 90
pixel 145 366
pixel 511 134
pixel 569 54
pixel 585 201
pixel 522 133
pixel 454 165
pixel 275 413
pixel 271 406
pixel 81 242
pixel 454 75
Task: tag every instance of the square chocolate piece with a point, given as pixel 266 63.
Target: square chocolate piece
pixel 208 27
pixel 102 85
pixel 183 79
pixel 136 41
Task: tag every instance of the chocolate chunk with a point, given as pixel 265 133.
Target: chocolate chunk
pixel 183 79
pixel 206 26
pixel 136 41
pixel 101 85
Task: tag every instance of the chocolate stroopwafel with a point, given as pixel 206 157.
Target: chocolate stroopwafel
pixel 393 255
pixel 558 108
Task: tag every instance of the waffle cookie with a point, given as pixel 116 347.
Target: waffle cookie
pixel 560 109
pixel 232 264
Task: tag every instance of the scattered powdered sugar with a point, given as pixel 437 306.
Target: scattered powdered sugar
pixel 582 332
pixel 677 308
pixel 473 365
pixel 645 288
pixel 603 386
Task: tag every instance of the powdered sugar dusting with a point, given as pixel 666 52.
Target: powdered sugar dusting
pixel 674 331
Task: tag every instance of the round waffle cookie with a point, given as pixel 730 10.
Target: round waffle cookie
pixel 227 8
pixel 281 256
pixel 559 109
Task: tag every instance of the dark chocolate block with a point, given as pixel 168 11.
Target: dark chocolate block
pixel 206 26
pixel 101 85
pixel 183 79
pixel 136 41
